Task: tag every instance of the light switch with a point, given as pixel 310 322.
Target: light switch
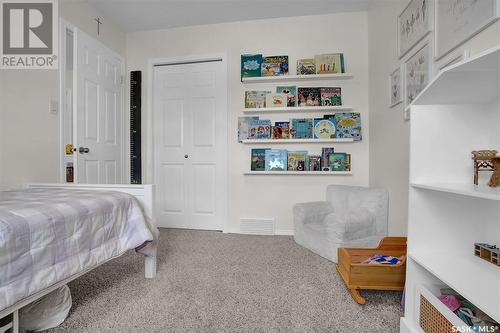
pixel 54 107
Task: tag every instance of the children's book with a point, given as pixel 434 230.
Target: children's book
pixel 258 162
pixel 260 129
pixel 309 96
pixel 251 65
pixel 338 161
pixel 331 96
pixel 255 99
pixel 325 158
pixel 274 66
pixel 297 161
pixel 332 63
pixel 244 127
pixel 302 128
pixel 276 100
pixel 348 125
pixel 291 93
pixel 281 130
pixel 314 163
pixel 348 162
pixel 276 159
pixel 324 129
pixel 306 66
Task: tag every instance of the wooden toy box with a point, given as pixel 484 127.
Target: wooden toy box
pixel 372 276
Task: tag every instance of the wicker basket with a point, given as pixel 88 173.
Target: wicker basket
pixel 431 320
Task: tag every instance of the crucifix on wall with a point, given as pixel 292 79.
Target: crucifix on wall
pixel 99 22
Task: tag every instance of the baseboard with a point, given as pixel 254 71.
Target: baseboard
pixel 404 326
pixel 283 232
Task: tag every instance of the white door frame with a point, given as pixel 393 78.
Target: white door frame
pixel 150 86
pixel 125 137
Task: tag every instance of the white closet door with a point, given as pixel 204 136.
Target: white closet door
pixel 99 112
pixel 190 135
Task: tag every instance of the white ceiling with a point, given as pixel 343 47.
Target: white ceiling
pixel 137 15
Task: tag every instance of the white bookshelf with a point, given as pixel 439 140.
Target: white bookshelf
pixel 296 78
pixel 299 173
pixel 285 141
pixel 457 113
pixel 298 109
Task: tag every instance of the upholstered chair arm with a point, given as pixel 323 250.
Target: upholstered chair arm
pixel 311 212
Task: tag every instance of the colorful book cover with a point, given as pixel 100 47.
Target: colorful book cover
pixel 324 129
pixel 309 96
pixel 314 163
pixel 255 99
pixel 276 100
pixel 325 157
pixel 276 159
pixel 348 125
pixel 331 96
pixel 251 65
pixel 348 162
pixel 306 66
pixel 282 130
pixel 291 92
pixel 274 66
pixel 331 63
pixel 302 128
pixel 244 127
pixel 297 160
pixel 258 162
pixel 337 161
pixel 260 129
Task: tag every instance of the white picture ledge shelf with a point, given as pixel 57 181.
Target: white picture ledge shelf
pixel 281 141
pixel 482 191
pixel 301 109
pixel 295 78
pixel 299 173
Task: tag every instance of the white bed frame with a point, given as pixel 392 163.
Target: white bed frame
pixel 143 193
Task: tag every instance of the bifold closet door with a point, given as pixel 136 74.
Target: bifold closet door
pixel 190 140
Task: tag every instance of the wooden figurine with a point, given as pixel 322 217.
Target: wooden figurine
pixel 495 177
pixel 487 252
pixel 483 161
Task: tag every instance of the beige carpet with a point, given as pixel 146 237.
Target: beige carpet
pixel 214 282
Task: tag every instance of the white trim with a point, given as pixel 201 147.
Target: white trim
pixel 152 62
pixel 283 232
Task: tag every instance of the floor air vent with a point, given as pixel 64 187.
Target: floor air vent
pixel 257 226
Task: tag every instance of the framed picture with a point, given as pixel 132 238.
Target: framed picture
pixel 417 73
pixel 396 87
pixel 414 23
pixel 459 20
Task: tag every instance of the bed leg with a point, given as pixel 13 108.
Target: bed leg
pixel 357 296
pixel 150 267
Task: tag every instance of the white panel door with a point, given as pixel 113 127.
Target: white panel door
pixel 98 105
pixel 190 139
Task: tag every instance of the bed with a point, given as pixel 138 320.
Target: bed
pixel 50 234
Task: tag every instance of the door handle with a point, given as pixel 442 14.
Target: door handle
pixel 83 150
pixel 186 156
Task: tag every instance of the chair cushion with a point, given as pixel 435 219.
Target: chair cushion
pixel 350 225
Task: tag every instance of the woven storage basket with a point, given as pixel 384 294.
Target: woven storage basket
pixel 431 320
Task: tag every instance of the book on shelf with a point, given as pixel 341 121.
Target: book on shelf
pixel 274 66
pixel 339 162
pixel 281 130
pixel 347 125
pixel 260 129
pixel 298 161
pixel 251 65
pixel 301 128
pixel 255 99
pixel 276 100
pixel 331 63
pixel 325 157
pixel 258 162
pixel 314 162
pixel 331 96
pixel 244 127
pixel 309 96
pixel 306 66
pixel 291 93
pixel 324 128
pixel 276 159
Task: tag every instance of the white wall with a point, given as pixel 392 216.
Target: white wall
pixel 389 141
pixel 299 37
pixel 29 135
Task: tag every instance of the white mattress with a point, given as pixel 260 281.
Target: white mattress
pixel 48 235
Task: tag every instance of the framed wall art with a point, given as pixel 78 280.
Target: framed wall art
pixel 414 23
pixel 417 73
pixel 396 87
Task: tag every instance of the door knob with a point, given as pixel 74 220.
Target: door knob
pixel 83 150
pixel 186 156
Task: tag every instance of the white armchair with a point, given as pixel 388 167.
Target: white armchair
pixel 350 217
